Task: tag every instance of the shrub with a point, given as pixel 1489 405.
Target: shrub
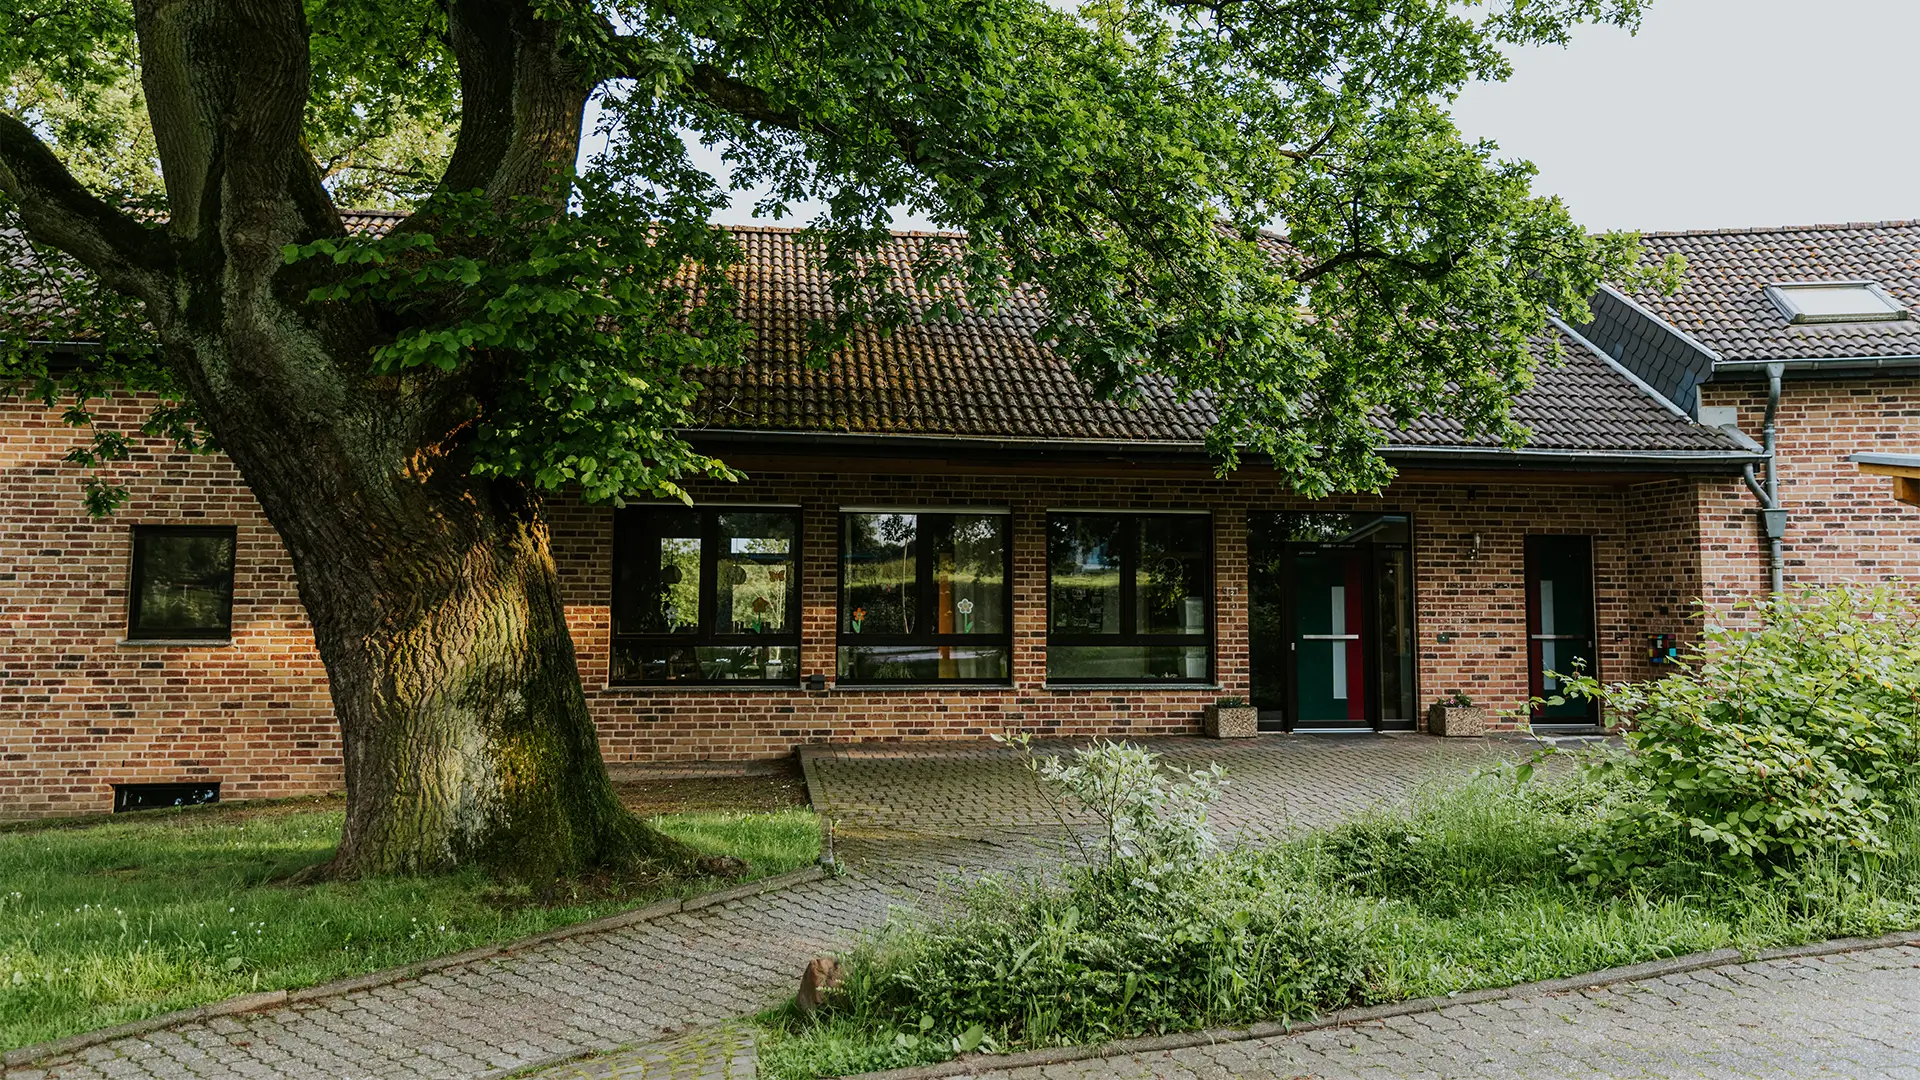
pixel 1151 825
pixel 1771 743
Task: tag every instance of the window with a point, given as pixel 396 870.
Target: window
pixel 182 582
pixel 1835 301
pixel 706 595
pixel 1129 597
pixel 130 797
pixel 925 597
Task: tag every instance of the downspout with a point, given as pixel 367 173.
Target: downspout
pixel 1773 517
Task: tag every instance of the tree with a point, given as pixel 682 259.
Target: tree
pixel 403 404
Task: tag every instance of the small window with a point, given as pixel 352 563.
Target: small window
pixel 1835 302
pixel 182 582
pixel 706 595
pixel 130 797
pixel 925 597
pixel 1129 598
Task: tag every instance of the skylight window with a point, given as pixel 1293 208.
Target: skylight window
pixel 1835 302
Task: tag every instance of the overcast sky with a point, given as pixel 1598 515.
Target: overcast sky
pixel 1718 113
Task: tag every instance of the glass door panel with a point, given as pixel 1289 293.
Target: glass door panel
pixel 1560 623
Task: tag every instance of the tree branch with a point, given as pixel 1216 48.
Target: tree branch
pixel 58 211
pixel 1429 269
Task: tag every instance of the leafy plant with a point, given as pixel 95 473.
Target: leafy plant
pixel 1151 825
pixel 1460 700
pixel 1232 702
pixel 1773 742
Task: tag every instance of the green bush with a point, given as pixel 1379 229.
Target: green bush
pixel 1772 743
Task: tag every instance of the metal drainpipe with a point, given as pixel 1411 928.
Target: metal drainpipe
pixel 1773 517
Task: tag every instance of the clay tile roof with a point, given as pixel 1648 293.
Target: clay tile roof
pixel 1723 303
pixel 984 375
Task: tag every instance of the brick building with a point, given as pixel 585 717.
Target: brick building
pixel 942 535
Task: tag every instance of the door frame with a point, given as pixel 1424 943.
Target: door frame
pixel 1535 657
pixel 1370 572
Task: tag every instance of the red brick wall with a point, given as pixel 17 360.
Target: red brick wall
pixel 80 711
pixel 1842 525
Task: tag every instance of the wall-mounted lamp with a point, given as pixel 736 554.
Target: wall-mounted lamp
pixel 1473 546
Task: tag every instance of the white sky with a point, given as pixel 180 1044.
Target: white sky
pixel 1718 113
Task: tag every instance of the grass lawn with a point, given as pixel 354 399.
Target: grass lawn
pixel 118 919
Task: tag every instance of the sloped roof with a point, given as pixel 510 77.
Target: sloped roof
pixel 984 375
pixel 1723 303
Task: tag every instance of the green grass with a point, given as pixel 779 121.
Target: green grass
pixel 110 922
pixel 1470 888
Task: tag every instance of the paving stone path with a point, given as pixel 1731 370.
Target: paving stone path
pixel 908 820
pixel 1854 1015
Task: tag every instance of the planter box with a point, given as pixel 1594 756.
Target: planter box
pixel 1459 721
pixel 1232 721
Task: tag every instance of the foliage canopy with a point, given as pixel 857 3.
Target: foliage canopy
pixel 1135 159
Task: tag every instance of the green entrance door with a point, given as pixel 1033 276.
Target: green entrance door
pixel 1560 625
pixel 1329 654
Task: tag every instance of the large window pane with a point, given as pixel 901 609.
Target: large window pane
pixel 1170 590
pixel 924 597
pixel 969 574
pixel 1129 597
pixel 880 574
pixel 1083 574
pixel 706 595
pixel 182 582
pixel 754 574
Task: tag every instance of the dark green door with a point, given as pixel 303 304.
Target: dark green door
pixel 1560 625
pixel 1329 651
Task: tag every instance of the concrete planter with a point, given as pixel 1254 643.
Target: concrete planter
pixel 1459 721
pixel 1232 721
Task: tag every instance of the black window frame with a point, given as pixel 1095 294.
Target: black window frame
pixel 1130 635
pixel 137 580
pixel 925 598
pixel 624 520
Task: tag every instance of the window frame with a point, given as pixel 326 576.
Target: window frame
pixel 137 580
pixel 703 634
pixel 1129 634
pixel 925 596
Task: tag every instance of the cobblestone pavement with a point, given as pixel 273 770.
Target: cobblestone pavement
pixel 662 979
pixel 1854 1015
pixel 1275 783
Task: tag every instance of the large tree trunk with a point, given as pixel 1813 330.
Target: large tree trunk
pixel 466 734
pixel 432 593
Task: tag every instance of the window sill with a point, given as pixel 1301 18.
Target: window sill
pixel 705 688
pixel 1144 684
pixel 175 643
pixel 921 688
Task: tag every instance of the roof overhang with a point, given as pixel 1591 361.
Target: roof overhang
pixel 1903 468
pixel 1076 451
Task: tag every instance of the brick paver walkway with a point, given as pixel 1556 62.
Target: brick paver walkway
pixel 654 982
pixel 1855 1015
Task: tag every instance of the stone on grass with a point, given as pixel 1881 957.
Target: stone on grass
pixel 818 982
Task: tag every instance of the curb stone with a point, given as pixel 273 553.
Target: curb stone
pixel 245 1003
pixel 975 1064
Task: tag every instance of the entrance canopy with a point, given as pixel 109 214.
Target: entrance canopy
pixel 1904 468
